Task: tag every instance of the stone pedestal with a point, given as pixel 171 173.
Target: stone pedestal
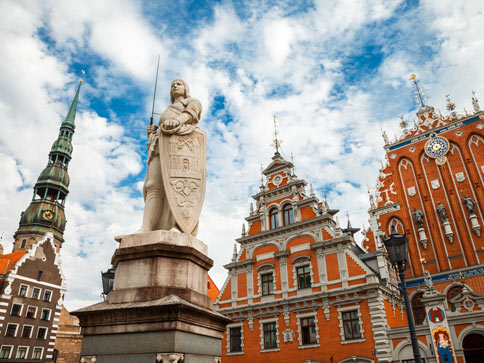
pixel 476 227
pixel 422 237
pixel 158 310
pixel 448 231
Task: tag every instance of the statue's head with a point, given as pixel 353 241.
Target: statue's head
pixel 179 87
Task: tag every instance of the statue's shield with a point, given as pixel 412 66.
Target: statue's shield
pixel 183 159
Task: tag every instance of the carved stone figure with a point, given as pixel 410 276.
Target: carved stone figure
pixel 174 187
pixel 475 102
pixel 442 213
pixel 418 217
pixel 469 204
pixel 428 280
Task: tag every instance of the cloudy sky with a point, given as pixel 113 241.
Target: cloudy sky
pixel 333 72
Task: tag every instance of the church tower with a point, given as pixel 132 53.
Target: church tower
pixel 46 210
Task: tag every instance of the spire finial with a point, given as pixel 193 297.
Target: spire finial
pixel 311 191
pixel 418 92
pixel 251 210
pixel 403 124
pixel 71 115
pixel 234 254
pixel 261 175
pixel 83 73
pixel 276 142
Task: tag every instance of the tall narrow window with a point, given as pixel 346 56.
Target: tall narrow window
pixel 35 293
pixel 303 277
pixel 288 215
pixel 23 290
pixel 11 330
pixel 37 353
pixel 5 351
pixel 22 353
pixel 42 333
pixel 418 309
pixel 24 242
pixel 270 335
pixel 308 331
pixel 27 331
pixel 267 283
pixel 274 216
pixel 351 325
pixel 47 295
pixel 235 339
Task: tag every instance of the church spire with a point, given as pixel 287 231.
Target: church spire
pixel 46 210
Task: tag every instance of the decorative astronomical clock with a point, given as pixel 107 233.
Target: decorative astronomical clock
pixel 437 147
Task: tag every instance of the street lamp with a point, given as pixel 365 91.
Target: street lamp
pixel 108 280
pixel 397 248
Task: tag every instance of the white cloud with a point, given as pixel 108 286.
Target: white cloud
pixel 274 61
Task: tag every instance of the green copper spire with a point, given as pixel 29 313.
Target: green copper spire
pixel 71 115
pixel 46 211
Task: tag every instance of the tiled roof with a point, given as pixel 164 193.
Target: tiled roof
pixel 8 261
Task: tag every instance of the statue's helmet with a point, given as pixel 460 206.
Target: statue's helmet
pixel 187 90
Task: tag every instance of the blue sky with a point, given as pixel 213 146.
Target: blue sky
pixel 333 72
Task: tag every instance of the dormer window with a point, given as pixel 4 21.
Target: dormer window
pixel 288 215
pixel 274 218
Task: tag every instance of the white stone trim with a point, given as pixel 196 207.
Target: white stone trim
pixel 26 353
pixel 264 256
pixel 301 247
pixel 262 270
pixel 342 310
pixel 299 330
pixel 41 352
pixel 16 329
pixel 235 325
pixel 261 334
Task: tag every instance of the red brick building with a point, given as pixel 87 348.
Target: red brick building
pixel 32 285
pixel 431 189
pixel 299 289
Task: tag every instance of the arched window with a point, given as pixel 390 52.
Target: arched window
pixel 418 308
pixel 23 243
pixel 288 214
pixel 453 292
pixel 274 217
pixel 398 226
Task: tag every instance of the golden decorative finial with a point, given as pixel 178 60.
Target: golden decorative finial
pixel 412 77
pixel 83 74
pixel 417 89
pixel 461 279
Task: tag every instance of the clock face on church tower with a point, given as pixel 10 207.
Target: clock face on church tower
pixel 436 147
pixel 47 215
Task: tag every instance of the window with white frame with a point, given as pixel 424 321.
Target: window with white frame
pixel 42 333
pixel 45 314
pixel 22 352
pixel 267 282
pixel 288 214
pixel 308 329
pixel 351 325
pixel 27 331
pixel 35 293
pixel 269 334
pixel 37 353
pixel 235 339
pixel 23 290
pixel 11 330
pixel 16 310
pixel 274 218
pixel 31 312
pixel 47 295
pixel 302 272
pixel 6 351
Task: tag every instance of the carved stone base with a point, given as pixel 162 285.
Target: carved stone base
pixel 422 237
pixel 475 225
pixel 158 310
pixel 448 231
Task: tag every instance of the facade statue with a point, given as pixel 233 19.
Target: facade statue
pixel 418 217
pixel 442 213
pixel 174 186
pixel 428 280
pixel 469 203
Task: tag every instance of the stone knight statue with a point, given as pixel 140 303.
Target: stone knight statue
pixel 174 187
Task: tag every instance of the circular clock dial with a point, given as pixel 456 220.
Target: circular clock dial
pixel 47 214
pixel 437 147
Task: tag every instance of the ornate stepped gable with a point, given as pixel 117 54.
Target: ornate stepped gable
pixel 296 266
pixel 434 195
